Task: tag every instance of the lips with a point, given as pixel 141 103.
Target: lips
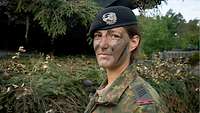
pixel 103 54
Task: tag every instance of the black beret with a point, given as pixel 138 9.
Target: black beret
pixel 114 16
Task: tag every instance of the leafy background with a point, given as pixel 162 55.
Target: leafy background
pixel 38 83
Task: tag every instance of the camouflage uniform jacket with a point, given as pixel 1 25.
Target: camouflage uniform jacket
pixel 129 93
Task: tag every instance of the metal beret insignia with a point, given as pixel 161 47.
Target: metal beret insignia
pixel 109 18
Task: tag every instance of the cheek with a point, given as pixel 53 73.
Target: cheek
pixel 95 45
pixel 119 46
pixel 114 43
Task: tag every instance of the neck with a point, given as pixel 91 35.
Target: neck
pixel 113 74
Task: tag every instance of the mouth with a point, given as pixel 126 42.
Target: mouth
pixel 103 54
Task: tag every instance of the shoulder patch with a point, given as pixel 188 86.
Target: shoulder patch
pixel 143 101
pixel 142 96
pixel 140 91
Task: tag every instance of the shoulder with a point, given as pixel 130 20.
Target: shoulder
pixel 146 97
pixel 143 89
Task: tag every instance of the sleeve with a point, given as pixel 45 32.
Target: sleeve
pixel 148 108
pixel 146 98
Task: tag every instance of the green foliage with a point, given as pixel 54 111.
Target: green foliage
pixel 194 59
pixel 155 35
pixel 38 84
pixel 148 4
pixel 57 17
pixel 173 21
pixel 168 32
pixel 191 34
pixel 176 86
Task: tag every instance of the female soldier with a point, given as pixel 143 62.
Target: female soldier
pixel 115 41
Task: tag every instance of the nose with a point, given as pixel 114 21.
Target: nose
pixel 104 42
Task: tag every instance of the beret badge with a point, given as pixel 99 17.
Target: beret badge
pixel 109 18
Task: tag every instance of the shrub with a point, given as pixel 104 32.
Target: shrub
pixel 38 84
pixel 174 83
pixel 194 59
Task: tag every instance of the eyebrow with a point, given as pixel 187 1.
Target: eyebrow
pixel 115 31
pixel 109 31
pixel 97 31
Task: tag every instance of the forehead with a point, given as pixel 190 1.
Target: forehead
pixel 115 30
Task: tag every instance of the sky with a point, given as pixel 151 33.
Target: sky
pixel 190 9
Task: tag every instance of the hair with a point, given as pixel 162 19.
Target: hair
pixel 133 30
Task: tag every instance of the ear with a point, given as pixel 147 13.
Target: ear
pixel 134 42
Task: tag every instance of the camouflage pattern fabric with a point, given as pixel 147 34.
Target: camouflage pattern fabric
pixel 129 93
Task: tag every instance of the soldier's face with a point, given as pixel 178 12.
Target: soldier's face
pixel 111 47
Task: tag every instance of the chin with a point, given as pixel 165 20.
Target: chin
pixel 104 64
pixel 107 65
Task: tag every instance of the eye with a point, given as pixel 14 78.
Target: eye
pixel 116 36
pixel 97 36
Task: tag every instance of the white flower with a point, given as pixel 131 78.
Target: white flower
pixel 8 89
pixel 49 111
pixel 14 57
pixel 44 66
pixel 21 49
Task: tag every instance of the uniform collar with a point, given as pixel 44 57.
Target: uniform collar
pixel 112 95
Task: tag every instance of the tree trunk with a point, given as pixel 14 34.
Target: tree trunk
pixel 27 29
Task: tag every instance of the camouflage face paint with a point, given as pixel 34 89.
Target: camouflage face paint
pixel 111 47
